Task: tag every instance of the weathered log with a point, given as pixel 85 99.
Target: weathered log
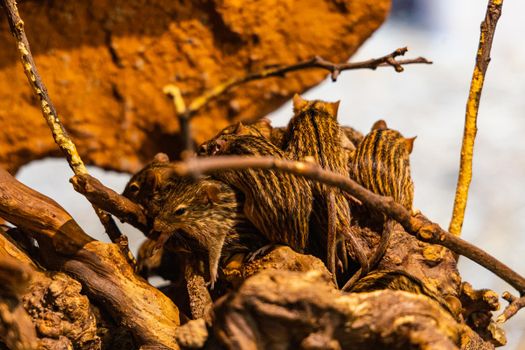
pixel 282 309
pixel 281 258
pixel 48 297
pixel 101 268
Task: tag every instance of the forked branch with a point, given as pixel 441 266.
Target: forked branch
pixel 515 305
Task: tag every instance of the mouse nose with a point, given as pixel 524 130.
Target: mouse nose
pixel 158 228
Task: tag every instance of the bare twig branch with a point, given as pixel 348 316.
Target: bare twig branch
pixel 110 201
pixel 316 62
pixel 185 113
pixel 488 27
pixel 515 305
pixel 418 226
pixel 60 135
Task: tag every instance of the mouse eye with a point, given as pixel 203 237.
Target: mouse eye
pixel 203 149
pixel 180 211
pixel 134 188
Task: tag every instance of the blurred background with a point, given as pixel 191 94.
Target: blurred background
pixel 427 101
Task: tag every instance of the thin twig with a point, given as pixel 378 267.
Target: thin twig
pixel 418 226
pixel 183 116
pixel 515 305
pixel 49 112
pixel 110 201
pixel 488 27
pixel 185 113
pixel 316 62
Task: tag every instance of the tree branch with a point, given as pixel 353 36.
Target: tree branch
pixel 488 27
pixel 418 226
pixel 110 201
pixel 316 62
pixel 185 113
pixel 100 267
pixel 50 114
pixel 515 305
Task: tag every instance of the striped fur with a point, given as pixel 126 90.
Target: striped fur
pixel 147 185
pixel 381 164
pixel 260 128
pixel 205 217
pixel 314 133
pixel 277 203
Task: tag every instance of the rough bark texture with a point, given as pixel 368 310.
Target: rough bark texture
pixel 281 258
pixel 105 64
pixel 101 268
pixel 301 310
pixel 57 312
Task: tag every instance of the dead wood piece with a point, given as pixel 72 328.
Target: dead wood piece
pixel 14 277
pixel 110 201
pixel 434 265
pixel 192 335
pixel 515 305
pixel 149 315
pixel 477 310
pixel 56 308
pixel 101 268
pixel 61 313
pixel 184 114
pixel 281 258
pixel 199 296
pixel 16 329
pixel 280 71
pixel 283 309
pixel 488 28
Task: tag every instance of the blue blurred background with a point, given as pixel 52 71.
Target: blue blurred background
pixel 427 101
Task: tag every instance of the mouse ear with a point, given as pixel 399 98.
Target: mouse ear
pixel 151 181
pixel 379 125
pixel 409 142
pixel 210 193
pixel 298 103
pixel 264 126
pixel 238 128
pixel 161 158
pixel 332 108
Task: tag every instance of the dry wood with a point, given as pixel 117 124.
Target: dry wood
pixel 101 268
pixel 185 113
pixel 110 201
pixel 47 297
pixel 280 71
pixel 283 309
pixel 16 329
